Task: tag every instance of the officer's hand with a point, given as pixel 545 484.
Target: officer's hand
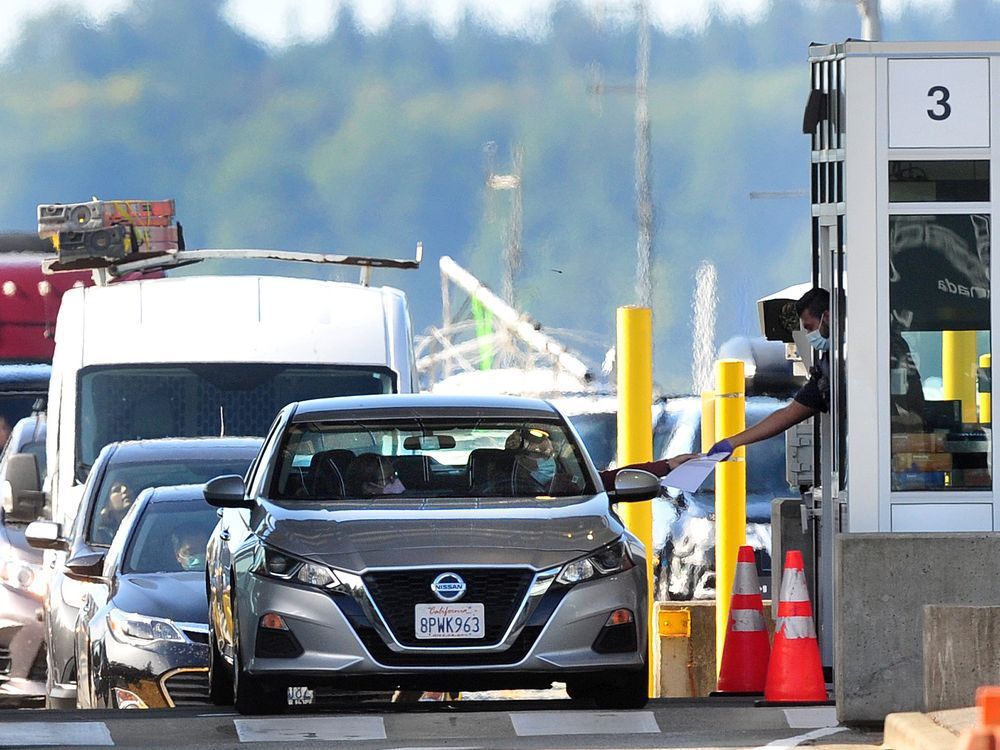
pixel 723 446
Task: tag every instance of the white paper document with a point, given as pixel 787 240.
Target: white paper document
pixel 690 475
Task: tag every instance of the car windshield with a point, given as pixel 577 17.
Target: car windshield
pixel 170 537
pixel 192 400
pixel 123 482
pixel 415 458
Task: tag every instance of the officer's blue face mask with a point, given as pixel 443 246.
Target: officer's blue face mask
pixel 817 341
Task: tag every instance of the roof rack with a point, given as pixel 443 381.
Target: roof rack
pixel 105 270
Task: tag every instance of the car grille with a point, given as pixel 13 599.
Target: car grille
pixel 187 688
pixel 517 651
pixel 500 590
pixel 197 636
pixel 38 668
pixel 4 662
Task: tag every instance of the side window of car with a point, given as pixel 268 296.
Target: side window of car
pixel 258 468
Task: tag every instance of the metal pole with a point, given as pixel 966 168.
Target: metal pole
pixel 643 188
pixel 871 20
pixel 958 370
pixel 730 494
pixel 986 396
pixel 635 435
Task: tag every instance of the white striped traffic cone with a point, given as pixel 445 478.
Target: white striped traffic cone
pixel 743 668
pixel 795 672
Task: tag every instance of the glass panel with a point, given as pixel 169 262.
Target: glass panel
pixel 939 181
pixel 192 400
pixel 171 538
pixel 409 460
pixel 939 351
pixel 123 482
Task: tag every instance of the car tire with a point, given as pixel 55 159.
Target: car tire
pixel 582 690
pixel 625 690
pixel 220 682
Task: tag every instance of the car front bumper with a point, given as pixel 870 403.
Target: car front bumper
pixel 344 640
pixel 161 675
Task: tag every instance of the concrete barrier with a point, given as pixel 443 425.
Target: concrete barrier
pixel 687 659
pixel 961 652
pixel 882 582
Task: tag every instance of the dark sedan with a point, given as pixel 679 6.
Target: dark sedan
pixel 121 472
pixel 142 636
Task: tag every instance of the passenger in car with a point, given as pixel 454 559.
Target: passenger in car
pixel 189 546
pixel 110 516
pixel 371 474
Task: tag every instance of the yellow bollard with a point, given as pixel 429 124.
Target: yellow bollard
pixel 730 493
pixel 958 370
pixel 986 397
pixel 635 434
pixel 707 420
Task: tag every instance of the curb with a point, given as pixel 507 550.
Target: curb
pixel 919 731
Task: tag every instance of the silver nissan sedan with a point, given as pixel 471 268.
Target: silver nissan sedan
pixel 420 542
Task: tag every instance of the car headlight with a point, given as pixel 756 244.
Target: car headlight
pixel 274 564
pixel 24 576
pixel 615 558
pixel 74 592
pixel 140 630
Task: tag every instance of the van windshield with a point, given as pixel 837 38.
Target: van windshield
pixel 134 402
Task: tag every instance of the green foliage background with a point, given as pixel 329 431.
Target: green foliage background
pixel 365 144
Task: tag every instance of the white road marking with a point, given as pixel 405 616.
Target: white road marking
pixel 812 717
pixel 791 742
pixel 33 733
pixel 546 723
pixel 327 729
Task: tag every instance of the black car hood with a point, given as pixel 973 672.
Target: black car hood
pixel 173 596
pixel 355 535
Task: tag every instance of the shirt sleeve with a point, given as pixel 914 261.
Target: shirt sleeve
pixel 659 468
pixel 810 395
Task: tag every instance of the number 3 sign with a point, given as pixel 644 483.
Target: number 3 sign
pixel 939 103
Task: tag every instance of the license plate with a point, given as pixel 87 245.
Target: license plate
pixel 449 621
pixel 300 696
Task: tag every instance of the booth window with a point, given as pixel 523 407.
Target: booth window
pixel 939 352
pixel 965 181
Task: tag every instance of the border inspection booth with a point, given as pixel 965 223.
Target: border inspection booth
pixel 904 169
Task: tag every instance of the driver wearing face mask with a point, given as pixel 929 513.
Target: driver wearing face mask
pixel 813 309
pixel 536 463
pixel 189 547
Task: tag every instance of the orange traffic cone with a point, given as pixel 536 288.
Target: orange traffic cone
pixel 743 668
pixel 795 673
pixel 986 734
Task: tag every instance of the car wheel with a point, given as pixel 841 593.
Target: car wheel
pixel 220 682
pixel 250 694
pixel 625 690
pixel 582 689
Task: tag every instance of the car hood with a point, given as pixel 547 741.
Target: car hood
pixel 355 535
pixel 174 596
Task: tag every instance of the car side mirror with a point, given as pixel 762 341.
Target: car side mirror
pixel 87 564
pixel 23 499
pixel 634 485
pixel 227 491
pixel 45 535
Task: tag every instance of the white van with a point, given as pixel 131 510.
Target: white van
pixel 210 355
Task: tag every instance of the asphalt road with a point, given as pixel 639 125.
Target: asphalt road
pixel 530 724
